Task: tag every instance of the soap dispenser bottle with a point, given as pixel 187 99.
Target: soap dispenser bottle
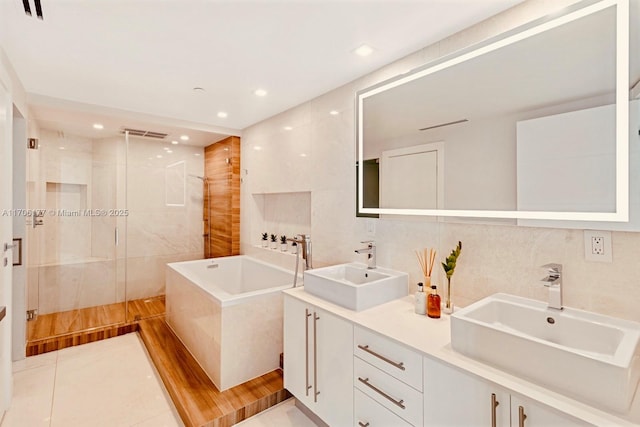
pixel 433 303
pixel 421 300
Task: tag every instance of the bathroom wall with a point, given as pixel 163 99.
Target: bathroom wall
pixel 73 259
pixel 159 228
pixel 318 156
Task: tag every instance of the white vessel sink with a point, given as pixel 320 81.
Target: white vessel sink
pixel 587 356
pixel 354 286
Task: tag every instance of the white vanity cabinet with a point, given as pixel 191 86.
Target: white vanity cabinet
pixel 318 368
pixel 539 415
pixel 390 375
pixel 456 398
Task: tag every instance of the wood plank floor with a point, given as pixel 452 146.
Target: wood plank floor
pixel 197 400
pixel 55 331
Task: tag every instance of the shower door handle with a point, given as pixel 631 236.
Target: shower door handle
pixel 34 219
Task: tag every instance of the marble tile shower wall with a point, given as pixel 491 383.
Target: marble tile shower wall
pixel 319 156
pixel 158 232
pixel 74 262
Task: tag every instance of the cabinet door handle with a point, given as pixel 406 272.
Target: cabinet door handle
pixel 315 357
pixel 361 424
pixel 494 405
pixel 399 365
pixel 306 350
pixel 399 403
pixel 521 416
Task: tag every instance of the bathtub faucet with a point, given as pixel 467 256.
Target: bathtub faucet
pixel 304 240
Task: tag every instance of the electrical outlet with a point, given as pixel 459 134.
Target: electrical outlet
pixel 597 246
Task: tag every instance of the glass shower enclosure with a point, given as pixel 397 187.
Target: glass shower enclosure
pixel 74 250
pixel 106 215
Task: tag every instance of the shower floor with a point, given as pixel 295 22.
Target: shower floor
pixel 50 332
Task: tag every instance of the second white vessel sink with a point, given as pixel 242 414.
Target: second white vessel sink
pixel 356 287
pixel 588 356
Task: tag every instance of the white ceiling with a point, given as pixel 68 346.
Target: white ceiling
pixel 145 56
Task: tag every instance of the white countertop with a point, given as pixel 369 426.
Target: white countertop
pixel 431 337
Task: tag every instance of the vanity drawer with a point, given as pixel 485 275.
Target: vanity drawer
pixel 389 392
pixel 388 355
pixel 369 413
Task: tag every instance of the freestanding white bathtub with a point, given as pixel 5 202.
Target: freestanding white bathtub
pixel 228 313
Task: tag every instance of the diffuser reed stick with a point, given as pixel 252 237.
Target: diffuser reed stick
pixel 426 258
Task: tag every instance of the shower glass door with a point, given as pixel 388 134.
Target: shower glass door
pixel 77 214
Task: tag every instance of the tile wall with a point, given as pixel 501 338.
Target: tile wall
pixel 318 156
pixel 159 232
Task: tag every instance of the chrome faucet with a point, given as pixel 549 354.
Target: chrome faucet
pixel 304 240
pixel 554 282
pixel 370 250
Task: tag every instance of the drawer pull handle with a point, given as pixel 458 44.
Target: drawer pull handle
pixel 365 381
pixel 315 356
pixel 399 365
pixel 361 424
pixel 306 348
pixel 494 405
pixel 521 416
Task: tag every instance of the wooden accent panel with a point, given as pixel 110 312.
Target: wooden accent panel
pixel 196 398
pixel 55 331
pixel 222 198
pixel 145 308
pixel 46 345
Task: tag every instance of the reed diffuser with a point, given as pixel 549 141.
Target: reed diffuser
pixel 426 258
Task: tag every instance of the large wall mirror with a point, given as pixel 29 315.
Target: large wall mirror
pixel 534 124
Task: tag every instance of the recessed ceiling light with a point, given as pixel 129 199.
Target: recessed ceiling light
pixel 196 154
pixel 62 148
pixel 169 151
pixel 165 148
pixel 260 92
pixel 184 138
pixel 222 114
pixel 159 156
pixel 98 126
pixel 175 142
pixel 257 148
pixel 287 128
pixel 334 112
pixel 303 155
pixel 364 50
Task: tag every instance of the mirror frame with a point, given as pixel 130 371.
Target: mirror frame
pixel 535 27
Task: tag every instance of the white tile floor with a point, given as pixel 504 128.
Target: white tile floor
pixel 106 383
pixel 110 383
pixel 283 415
